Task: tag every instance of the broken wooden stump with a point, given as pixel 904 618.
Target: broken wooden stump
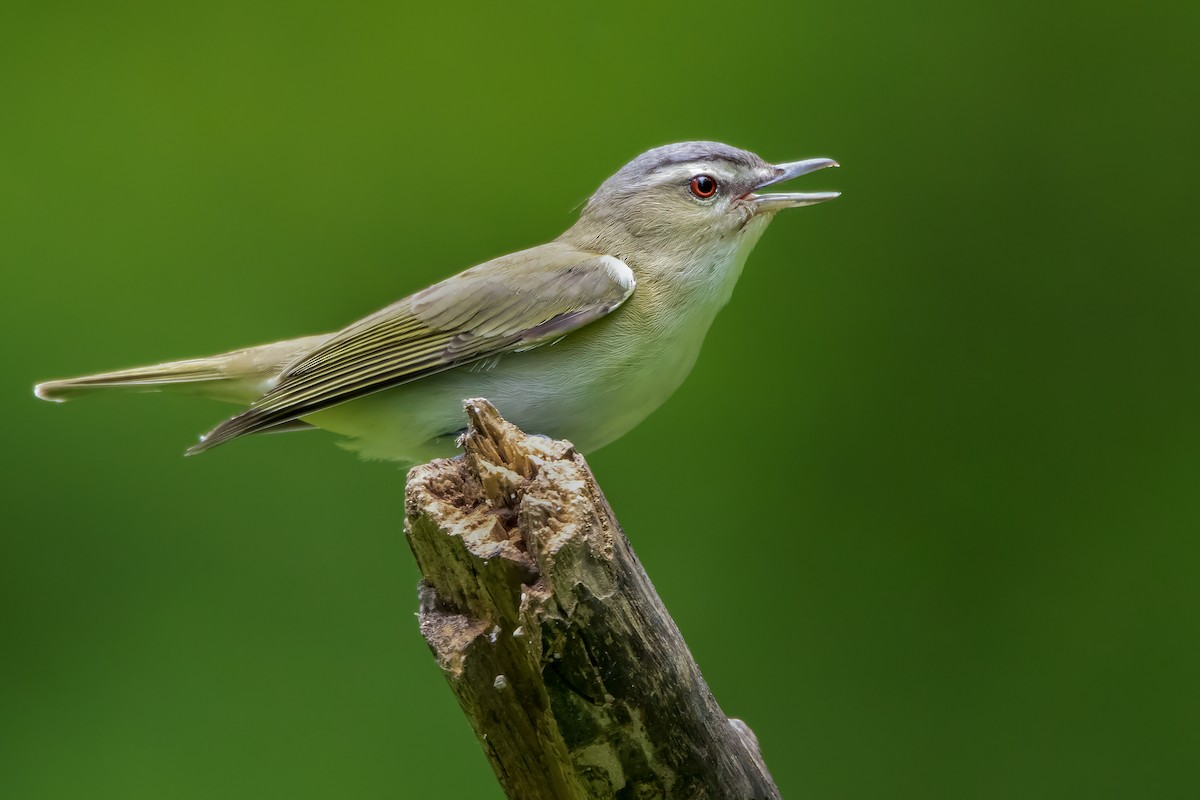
pixel 561 654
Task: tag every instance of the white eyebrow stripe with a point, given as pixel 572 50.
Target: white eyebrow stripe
pixel 684 172
pixel 690 170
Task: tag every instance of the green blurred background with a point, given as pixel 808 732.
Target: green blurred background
pixel 939 538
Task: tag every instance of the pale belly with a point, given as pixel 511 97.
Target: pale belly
pixel 592 387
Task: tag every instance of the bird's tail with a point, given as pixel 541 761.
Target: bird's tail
pixel 239 376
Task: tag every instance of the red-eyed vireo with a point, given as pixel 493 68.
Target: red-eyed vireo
pixel 580 338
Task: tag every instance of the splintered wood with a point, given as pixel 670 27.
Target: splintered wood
pixel 564 659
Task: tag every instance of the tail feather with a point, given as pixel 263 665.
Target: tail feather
pixel 149 379
pixel 239 376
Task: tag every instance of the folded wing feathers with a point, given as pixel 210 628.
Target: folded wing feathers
pixel 491 309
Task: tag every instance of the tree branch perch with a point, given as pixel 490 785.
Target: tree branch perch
pixel 575 678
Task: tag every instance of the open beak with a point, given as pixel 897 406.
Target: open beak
pixel 785 172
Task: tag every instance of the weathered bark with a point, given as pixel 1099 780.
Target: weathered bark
pixel 564 659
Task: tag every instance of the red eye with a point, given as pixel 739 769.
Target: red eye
pixel 703 186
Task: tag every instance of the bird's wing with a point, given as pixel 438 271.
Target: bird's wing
pixel 513 303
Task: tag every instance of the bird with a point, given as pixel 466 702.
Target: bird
pixel 580 338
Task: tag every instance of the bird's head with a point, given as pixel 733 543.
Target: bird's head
pixel 686 195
